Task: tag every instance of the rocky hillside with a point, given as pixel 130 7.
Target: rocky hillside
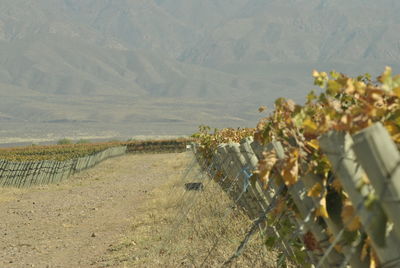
pixel 63 59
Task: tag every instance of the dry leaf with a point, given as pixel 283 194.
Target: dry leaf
pixel 337 247
pixel 374 260
pixel 316 190
pixel 392 128
pixel 313 144
pixel 337 185
pixel 321 209
pixel 349 86
pixel 290 169
pixel 310 242
pixel 309 126
pixel 396 91
pixel 365 248
pixel 280 206
pixel 262 109
pixel 265 166
pixel 350 220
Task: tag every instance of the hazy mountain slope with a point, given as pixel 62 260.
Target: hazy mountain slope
pixel 87 51
pixel 119 64
pixel 126 46
pixel 135 24
pixel 202 15
pixel 303 31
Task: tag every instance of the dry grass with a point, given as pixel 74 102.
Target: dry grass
pixel 179 228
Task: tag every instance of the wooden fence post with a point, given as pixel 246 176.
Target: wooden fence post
pixel 305 205
pixel 257 150
pixel 380 158
pixel 338 148
pixel 231 172
pixel 252 163
pixel 246 188
pixel 298 198
pixel 243 197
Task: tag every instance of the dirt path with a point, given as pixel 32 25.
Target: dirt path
pixel 75 223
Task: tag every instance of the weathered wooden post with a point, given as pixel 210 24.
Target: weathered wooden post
pixel 246 188
pixel 269 193
pixel 229 169
pixel 305 205
pixel 252 164
pixel 380 158
pixel 338 148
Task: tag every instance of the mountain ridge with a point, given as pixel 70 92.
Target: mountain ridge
pixel 72 60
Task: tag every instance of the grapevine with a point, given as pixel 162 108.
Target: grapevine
pixel 72 151
pixel 345 104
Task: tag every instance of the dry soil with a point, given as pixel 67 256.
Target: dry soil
pixel 74 224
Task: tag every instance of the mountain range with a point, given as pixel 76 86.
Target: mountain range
pixel 130 67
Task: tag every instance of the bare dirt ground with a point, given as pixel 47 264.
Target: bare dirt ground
pixel 129 211
pixel 73 224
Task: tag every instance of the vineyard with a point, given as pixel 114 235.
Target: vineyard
pixel 36 165
pixel 71 151
pixel 320 179
pixel 53 152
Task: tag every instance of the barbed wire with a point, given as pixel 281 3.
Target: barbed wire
pixel 359 206
pixel 257 224
pixel 223 218
pixel 338 236
pixel 254 227
pixel 184 213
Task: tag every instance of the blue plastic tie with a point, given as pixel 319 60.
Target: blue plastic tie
pixel 247 176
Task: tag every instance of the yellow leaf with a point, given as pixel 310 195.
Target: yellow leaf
pixel 334 74
pixel 313 144
pixel 365 249
pixel 290 169
pixel 374 260
pixel 321 209
pixel 315 73
pixel 392 128
pixel 316 190
pixel 365 179
pixel 396 91
pixel 265 166
pixel 309 126
pixel 350 86
pixel 333 87
pixel 311 96
pixel 322 212
pixel 350 220
pixel 359 87
pixel 385 75
pixel 262 109
pixel 337 185
pixel 386 79
pixel 396 138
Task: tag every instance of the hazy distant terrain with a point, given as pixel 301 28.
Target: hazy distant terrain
pixel 134 67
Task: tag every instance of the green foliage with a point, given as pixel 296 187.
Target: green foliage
pixel 64 141
pixel 53 152
pixel 209 140
pixel 67 150
pixel 83 141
